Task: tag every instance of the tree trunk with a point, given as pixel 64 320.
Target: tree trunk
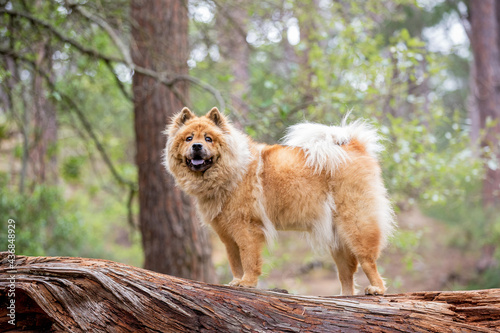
pixel 473 111
pixel 309 36
pixel 172 238
pixel 57 294
pixel 485 46
pixel 42 155
pixel 232 18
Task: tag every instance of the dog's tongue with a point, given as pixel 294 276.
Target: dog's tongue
pixel 197 162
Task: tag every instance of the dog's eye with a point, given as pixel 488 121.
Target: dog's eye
pixel 189 138
pixel 208 139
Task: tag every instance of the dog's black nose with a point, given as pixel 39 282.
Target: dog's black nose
pixel 197 146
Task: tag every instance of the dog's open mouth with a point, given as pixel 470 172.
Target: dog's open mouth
pixel 199 164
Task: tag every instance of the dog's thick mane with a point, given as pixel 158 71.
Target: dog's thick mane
pixel 207 187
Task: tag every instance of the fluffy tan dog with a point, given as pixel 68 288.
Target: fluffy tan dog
pixel 323 180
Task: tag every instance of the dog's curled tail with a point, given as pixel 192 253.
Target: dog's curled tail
pixel 323 144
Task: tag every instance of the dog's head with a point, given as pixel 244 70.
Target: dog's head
pixel 195 141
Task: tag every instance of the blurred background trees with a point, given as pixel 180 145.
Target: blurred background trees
pixel 86 88
pixel 484 17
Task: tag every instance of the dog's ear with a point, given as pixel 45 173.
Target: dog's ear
pixel 217 118
pixel 183 116
pixel 178 120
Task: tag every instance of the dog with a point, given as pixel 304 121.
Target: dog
pixel 322 180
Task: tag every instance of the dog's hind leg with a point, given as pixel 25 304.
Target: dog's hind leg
pixel 364 242
pixel 377 286
pixel 347 265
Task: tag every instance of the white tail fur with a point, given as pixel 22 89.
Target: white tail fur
pixel 323 147
pixel 323 144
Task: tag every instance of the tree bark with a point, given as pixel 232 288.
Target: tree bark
pixel 57 294
pixel 172 238
pixel 486 50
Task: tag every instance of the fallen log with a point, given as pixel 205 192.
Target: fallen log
pixel 62 294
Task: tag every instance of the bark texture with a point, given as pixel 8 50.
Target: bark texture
pixel 173 240
pixel 56 294
pixel 485 46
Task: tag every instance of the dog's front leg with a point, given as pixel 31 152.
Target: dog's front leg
pixel 250 242
pixel 233 255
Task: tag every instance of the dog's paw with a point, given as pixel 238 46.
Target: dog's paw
pixel 372 290
pixel 235 282
pixel 248 283
pixel 243 283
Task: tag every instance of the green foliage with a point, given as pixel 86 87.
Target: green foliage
pixel 475 226
pixel 45 224
pixel 71 168
pixel 3 131
pixel 489 279
pixel 69 219
pixel 424 165
pixel 408 242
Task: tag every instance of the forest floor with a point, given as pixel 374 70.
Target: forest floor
pixel 424 260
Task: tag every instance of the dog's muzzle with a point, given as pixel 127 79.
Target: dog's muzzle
pixel 199 158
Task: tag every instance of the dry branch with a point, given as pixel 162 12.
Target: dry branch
pixel 62 294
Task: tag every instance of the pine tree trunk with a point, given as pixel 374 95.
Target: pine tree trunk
pixel 55 294
pixel 172 238
pixel 485 46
